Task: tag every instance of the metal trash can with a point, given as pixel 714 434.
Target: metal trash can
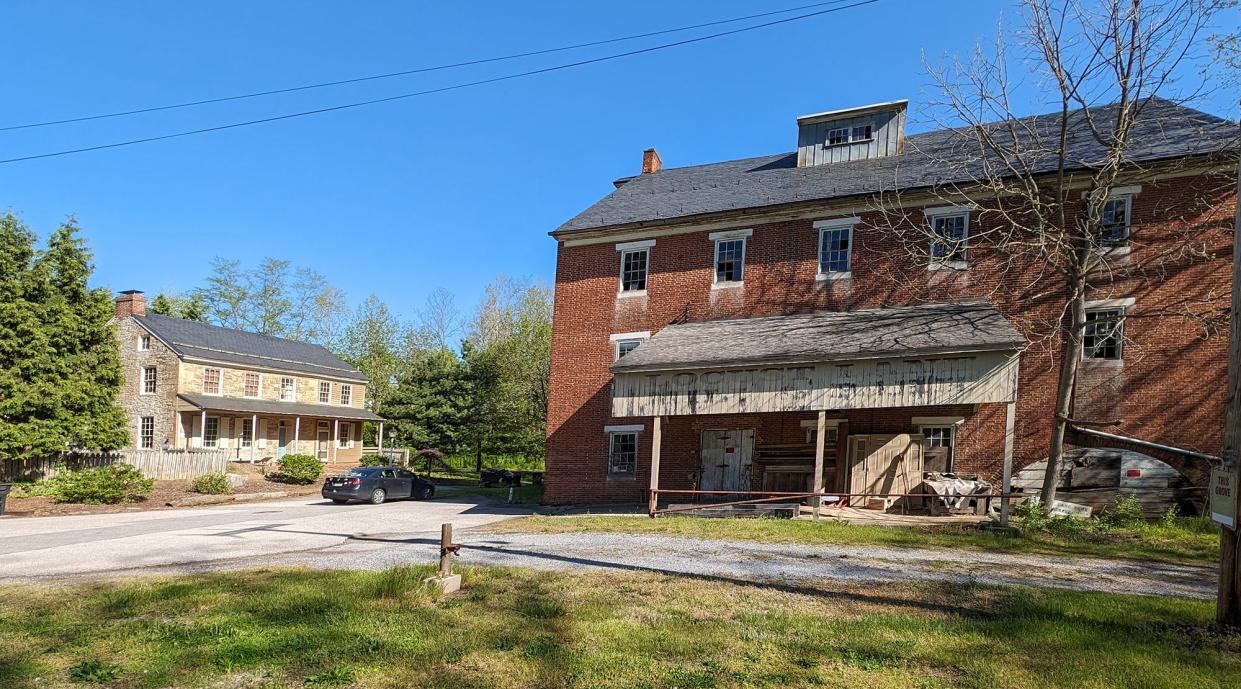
pixel 4 494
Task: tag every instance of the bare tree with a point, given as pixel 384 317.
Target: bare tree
pixel 1042 187
pixel 439 321
pixel 274 299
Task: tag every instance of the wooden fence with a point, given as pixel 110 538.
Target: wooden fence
pixel 156 464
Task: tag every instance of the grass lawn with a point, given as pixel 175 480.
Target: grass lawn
pixel 519 628
pixel 1187 540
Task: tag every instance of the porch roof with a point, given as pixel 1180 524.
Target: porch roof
pixel 825 336
pixel 244 405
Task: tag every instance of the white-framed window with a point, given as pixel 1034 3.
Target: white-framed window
pixel 253 384
pixel 622 453
pixel 1105 333
pixel 247 432
pixel 345 439
pixel 729 261
pixel 634 264
pixel 1114 221
pixel 850 135
pixel 346 394
pixel 950 229
pixel 213 380
pixel 211 432
pixel 144 343
pixel 149 378
pixel 146 432
pixel 624 343
pixel 325 392
pixel 288 389
pixel 934 437
pixel 835 247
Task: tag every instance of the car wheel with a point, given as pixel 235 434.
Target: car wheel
pixel 339 501
pixel 426 492
pixel 378 496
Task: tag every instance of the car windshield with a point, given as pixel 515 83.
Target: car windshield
pixel 361 473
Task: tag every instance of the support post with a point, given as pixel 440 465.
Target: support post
pixel 254 435
pixel 446 550
pixel 297 432
pixel 656 442
pixel 1228 600
pixel 335 437
pixel 202 431
pixel 1010 428
pixel 820 436
pixel 380 437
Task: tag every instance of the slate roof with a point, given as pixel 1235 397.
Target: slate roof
pixel 197 340
pixel 252 406
pixel 1165 130
pixel 825 336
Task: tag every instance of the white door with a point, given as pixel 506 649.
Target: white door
pixel 884 464
pixel 725 459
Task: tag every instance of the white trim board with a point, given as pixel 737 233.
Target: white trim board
pixel 1124 303
pixel 730 234
pixel 937 420
pixel 631 428
pixel 634 246
pixel 617 337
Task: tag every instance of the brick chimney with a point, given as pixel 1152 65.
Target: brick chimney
pixel 131 302
pixel 651 162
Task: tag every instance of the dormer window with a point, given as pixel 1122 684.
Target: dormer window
pixel 849 135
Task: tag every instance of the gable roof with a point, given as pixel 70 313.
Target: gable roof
pixel 197 340
pixel 823 336
pixel 1165 130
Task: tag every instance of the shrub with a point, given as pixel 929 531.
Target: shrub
pixel 373 461
pixel 302 469
pixel 1125 512
pixel 106 485
pixel 211 484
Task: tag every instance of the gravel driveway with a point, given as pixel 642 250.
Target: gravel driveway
pixel 315 534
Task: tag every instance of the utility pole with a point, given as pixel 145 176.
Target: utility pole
pixel 1223 492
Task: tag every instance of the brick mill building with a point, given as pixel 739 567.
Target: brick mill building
pixel 729 321
pixel 192 385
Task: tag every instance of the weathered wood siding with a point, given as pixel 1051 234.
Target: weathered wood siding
pixel 873 384
pixel 886 129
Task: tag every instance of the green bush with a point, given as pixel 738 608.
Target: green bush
pixel 373 461
pixel 106 485
pixel 1124 512
pixel 211 484
pixel 302 469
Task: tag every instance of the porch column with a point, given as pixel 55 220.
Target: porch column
pixel 254 435
pixel 202 431
pixel 380 437
pixel 656 441
pixel 297 432
pixel 819 441
pixel 1010 425
pixel 335 437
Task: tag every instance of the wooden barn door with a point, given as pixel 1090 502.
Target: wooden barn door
pixel 726 456
pixel 884 464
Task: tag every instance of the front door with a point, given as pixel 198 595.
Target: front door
pixel 725 459
pixel 322 445
pixel 884 465
pixel 282 443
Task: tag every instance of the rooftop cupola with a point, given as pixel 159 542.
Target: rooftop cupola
pixel 837 136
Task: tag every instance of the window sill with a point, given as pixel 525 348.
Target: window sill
pixel 622 477
pixel 1103 363
pixel 631 294
pixel 947 265
pixel 732 284
pixel 834 275
pixel 1115 251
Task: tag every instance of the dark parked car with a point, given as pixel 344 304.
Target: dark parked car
pixel 376 484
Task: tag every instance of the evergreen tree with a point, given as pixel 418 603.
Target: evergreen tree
pixel 429 406
pixel 60 366
pixel 190 308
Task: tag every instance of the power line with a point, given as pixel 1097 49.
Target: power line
pixel 442 89
pixel 408 72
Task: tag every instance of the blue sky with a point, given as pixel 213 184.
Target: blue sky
pixel 442 191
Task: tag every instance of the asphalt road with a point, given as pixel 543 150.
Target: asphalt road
pixel 309 532
pixel 223 537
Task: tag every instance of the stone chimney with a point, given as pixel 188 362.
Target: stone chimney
pixel 651 162
pixel 131 302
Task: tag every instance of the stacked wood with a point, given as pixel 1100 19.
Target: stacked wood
pixel 790 467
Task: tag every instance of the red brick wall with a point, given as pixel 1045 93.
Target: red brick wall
pixel 1168 389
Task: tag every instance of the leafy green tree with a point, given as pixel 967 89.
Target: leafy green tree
pixel 190 307
pixel 273 299
pixel 60 368
pixel 373 342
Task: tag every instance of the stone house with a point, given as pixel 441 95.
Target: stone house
pixel 732 326
pixel 190 384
